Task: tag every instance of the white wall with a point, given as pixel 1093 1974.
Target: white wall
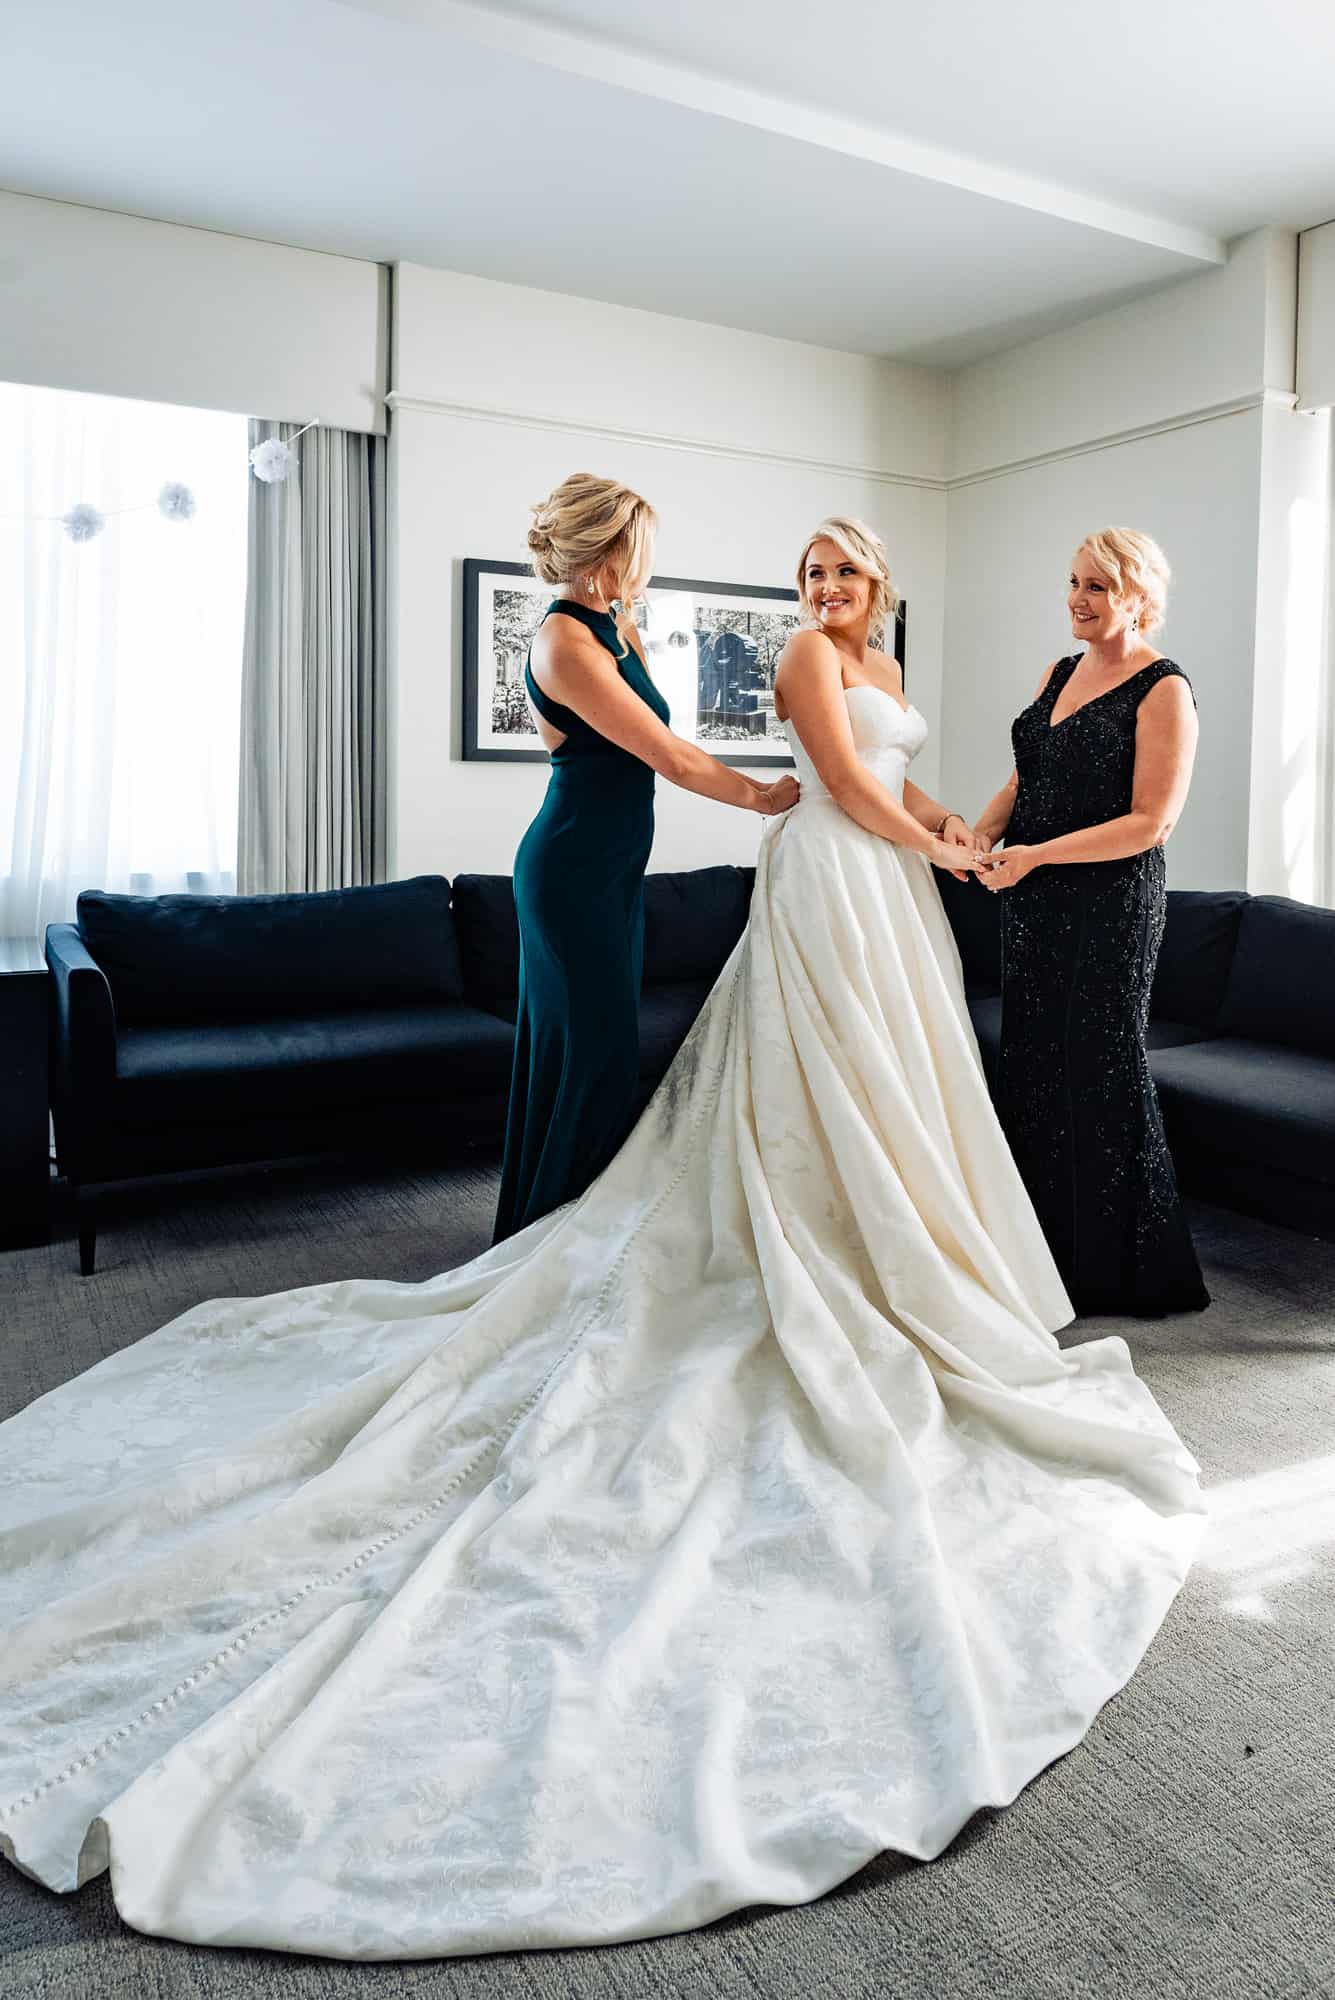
pixel 1287 831
pixel 741 442
pixel 474 344
pixel 1302 742
pixel 1011 542
pixel 116 305
pixel 1173 415
pixel 1316 318
pixel 1198 347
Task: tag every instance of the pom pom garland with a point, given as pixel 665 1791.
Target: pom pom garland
pixel 83 522
pixel 271 460
pixel 176 502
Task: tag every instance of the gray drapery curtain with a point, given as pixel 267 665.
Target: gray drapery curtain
pixel 313 811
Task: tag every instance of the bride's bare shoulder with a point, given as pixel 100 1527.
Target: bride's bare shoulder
pixel 807 648
pixel 808 659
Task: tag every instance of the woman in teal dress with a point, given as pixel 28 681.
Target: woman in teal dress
pixel 579 872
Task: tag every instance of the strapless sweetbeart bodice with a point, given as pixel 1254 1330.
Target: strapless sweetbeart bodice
pixel 887 737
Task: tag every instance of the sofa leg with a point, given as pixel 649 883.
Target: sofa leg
pixel 85 1209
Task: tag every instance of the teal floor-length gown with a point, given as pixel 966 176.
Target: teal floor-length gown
pixel 579 893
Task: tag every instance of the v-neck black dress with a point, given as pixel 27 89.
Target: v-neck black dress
pixel 1079 945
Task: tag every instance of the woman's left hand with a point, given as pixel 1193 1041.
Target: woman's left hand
pixel 1003 869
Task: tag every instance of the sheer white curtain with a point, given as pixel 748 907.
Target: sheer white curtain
pixel 120 658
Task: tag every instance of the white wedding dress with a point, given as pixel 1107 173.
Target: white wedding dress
pixel 735 1523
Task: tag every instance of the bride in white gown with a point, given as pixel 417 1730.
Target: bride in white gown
pixel 736 1522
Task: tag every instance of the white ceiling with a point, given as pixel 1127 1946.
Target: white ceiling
pixel 931 181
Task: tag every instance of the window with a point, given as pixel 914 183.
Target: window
pixel 120 657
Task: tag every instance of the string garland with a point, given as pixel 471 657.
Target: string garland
pixel 271 461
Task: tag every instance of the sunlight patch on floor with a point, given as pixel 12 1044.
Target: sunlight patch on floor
pixel 1266 1532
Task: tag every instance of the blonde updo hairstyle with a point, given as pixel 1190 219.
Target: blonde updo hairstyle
pixel 863 547
pixel 1136 569
pixel 595 530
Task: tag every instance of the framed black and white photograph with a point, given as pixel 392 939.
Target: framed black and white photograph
pixel 712 648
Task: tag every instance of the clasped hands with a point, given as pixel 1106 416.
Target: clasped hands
pixel 994 871
pixel 972 849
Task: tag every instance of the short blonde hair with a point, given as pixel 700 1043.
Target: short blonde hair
pixel 1136 567
pixel 863 547
pixel 590 527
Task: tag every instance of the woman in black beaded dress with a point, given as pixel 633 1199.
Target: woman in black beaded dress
pixel 1103 760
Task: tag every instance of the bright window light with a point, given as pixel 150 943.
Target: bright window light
pixel 120 657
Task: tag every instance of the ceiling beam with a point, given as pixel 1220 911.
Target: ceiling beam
pixel 599 61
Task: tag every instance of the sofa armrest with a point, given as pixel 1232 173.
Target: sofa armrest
pixel 83 1042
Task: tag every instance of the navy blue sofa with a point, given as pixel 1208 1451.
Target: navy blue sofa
pixel 197 1031
pixel 692 920
pixel 1241 1039
pixel 192 1031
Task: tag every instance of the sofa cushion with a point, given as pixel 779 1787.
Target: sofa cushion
pixel 488 932
pixel 975 918
pixel 1282 984
pixel 1194 959
pixel 1251 1101
pixel 173 958
pixel 667 1012
pixel 692 920
pixel 237 1071
pixel 1199 940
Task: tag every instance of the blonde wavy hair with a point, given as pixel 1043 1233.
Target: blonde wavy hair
pixel 591 528
pixel 863 547
pixel 1136 568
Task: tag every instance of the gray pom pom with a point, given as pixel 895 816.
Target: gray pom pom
pixel 176 502
pixel 271 460
pixel 83 522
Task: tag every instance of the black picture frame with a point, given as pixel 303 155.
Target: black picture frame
pixel 738 677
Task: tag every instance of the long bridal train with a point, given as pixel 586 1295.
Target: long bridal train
pixel 740 1521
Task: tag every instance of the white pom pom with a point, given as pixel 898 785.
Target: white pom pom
pixel 271 460
pixel 83 522
pixel 176 502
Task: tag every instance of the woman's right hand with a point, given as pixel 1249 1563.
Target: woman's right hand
pixel 957 858
pixel 779 797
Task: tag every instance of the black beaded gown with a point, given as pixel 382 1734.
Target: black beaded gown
pixel 1079 945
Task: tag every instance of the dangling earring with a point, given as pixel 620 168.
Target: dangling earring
pixel 588 585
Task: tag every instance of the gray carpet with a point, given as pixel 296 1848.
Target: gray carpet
pixel 1186 1848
